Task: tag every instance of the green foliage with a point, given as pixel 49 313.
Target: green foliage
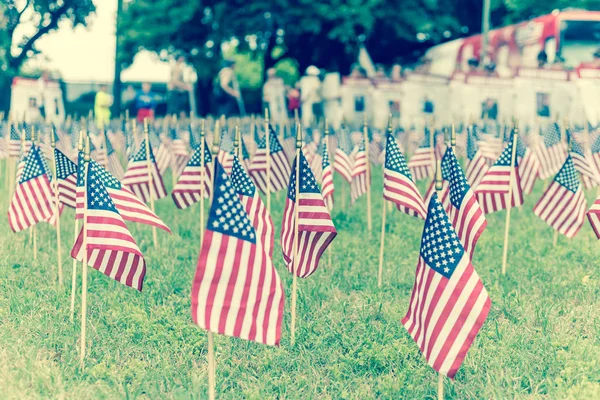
pixel 541 339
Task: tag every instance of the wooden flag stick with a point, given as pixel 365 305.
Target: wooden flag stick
pixel 85 257
pixel 203 174
pixel 383 212
pixel 509 198
pixel 366 140
pixel 295 242
pixel 438 189
pixel 268 155
pixel 150 182
pixel 56 212
pixel 75 233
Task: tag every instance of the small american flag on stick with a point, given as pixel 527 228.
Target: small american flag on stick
pixel 32 200
pixel 236 290
pixel 563 204
pixel 327 187
pixel 188 188
pixel 398 186
pixel 315 227
pixel 449 303
pixel 66 179
pixel 110 247
pixel 423 159
pixel 360 178
pixel 136 176
pixel 551 152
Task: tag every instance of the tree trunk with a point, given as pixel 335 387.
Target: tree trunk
pixel 5 91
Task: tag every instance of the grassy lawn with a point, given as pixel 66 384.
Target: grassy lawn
pixel 541 339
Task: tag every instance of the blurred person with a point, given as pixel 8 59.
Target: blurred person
pixel 102 103
pixel 293 99
pixel 396 72
pixel 542 59
pixel 274 95
pixel 41 97
pixel 225 90
pixel 178 90
pixel 145 103
pixel 310 95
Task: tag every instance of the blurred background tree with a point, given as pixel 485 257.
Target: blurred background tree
pixel 44 16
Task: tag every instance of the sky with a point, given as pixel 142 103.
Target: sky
pixel 88 53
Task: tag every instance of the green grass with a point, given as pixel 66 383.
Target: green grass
pixel 541 339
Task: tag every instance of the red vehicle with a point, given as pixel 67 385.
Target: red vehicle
pixel 572 34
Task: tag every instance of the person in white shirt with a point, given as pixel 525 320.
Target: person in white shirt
pixel 274 95
pixel 310 95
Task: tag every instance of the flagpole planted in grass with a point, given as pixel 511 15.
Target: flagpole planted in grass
pixel 33 230
pixel 268 148
pixel 150 183
pixel 76 232
pixel 56 211
pixel 86 160
pixel 509 197
pixel 438 189
pixel 203 172
pixel 383 213
pixel 368 177
pixel 295 242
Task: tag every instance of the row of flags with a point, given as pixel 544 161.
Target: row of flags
pixel 236 290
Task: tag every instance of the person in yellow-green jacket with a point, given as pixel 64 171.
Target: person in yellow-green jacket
pixel 102 104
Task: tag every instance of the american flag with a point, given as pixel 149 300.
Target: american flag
pixel 494 187
pixel 97 150
pixel 110 247
pixel 14 142
pixel 178 151
pixel 563 204
pixel 114 164
pixel 551 152
pixel 315 227
pixel 342 162
pixel 590 176
pixel 226 149
pixel 66 179
pixel 593 215
pixel 529 166
pixel 253 205
pixel 327 187
pixel 163 155
pixel 360 180
pixel 375 148
pixel 136 176
pixel 188 188
pixel 462 206
pixel 398 186
pixel 236 289
pixel 245 155
pixel 490 147
pixel 278 164
pixel 32 200
pixel 449 303
pixel 130 207
pixel 476 164
pixel 422 161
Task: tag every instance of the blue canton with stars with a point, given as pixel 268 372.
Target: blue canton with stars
pixel 141 153
pixel 426 143
pixel 194 137
pixel 471 144
pixel 308 183
pixel 14 135
pixel 325 154
pixel 505 157
pixel 227 215
pixel 34 165
pixel 64 166
pixel 552 135
pixel 457 182
pixel 242 182
pixel 440 247
pixel 97 196
pixel 104 176
pixel 344 140
pixel 274 144
pixel 521 147
pixel 567 176
pixel 394 160
pixel 226 142
pixel 576 148
pixel 80 169
pixel 596 145
pixel 196 157
pixel 245 154
pixel 109 147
